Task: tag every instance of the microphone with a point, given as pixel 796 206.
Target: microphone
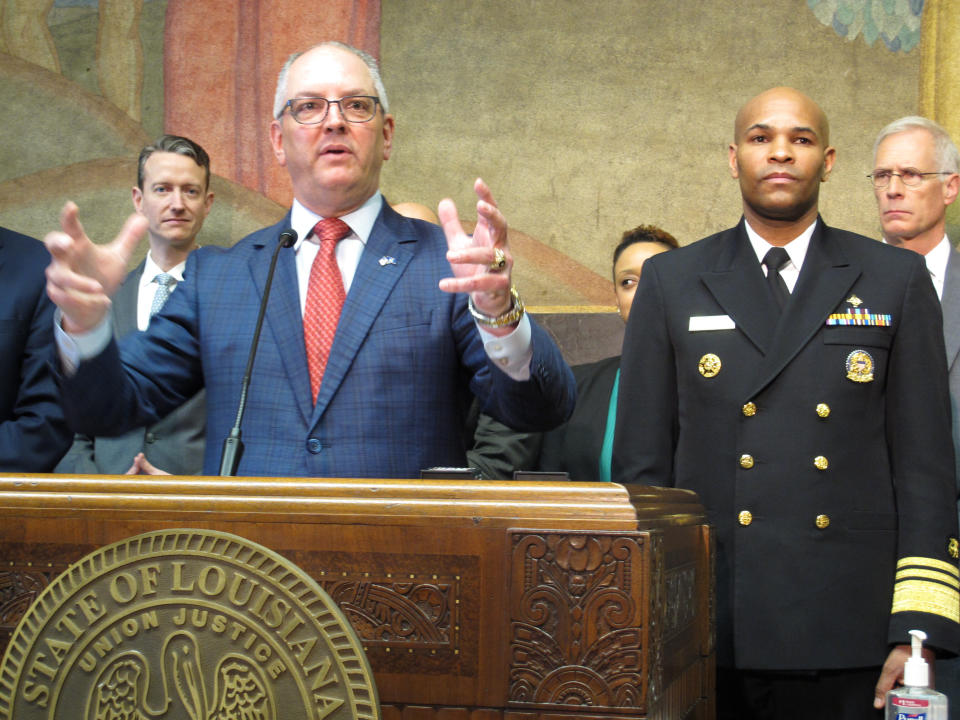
pixel 233 445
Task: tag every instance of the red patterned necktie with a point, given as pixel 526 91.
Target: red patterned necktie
pixel 325 296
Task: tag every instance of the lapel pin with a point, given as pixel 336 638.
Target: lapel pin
pixel 854 300
pixel 387 260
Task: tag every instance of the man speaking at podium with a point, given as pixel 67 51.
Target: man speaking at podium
pixel 369 349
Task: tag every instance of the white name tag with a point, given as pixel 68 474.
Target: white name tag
pixel 700 323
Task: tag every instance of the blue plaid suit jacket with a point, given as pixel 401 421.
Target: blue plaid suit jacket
pixel 404 362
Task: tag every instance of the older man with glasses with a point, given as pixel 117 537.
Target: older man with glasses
pixel 377 331
pixel 915 179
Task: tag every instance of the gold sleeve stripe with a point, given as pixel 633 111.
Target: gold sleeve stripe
pixel 930 563
pixel 929 575
pixel 927 597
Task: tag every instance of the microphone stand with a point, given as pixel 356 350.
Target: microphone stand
pixel 233 445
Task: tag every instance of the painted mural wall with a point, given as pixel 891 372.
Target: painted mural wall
pixel 587 118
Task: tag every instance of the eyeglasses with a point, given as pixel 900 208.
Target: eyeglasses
pixel 313 110
pixel 910 178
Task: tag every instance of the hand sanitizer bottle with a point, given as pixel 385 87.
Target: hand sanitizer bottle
pixel 915 700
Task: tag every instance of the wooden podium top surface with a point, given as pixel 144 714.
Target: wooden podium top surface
pixel 309 500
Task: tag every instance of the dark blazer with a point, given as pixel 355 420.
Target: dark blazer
pixel 947 672
pixel 397 386
pixel 575 446
pixel 33 435
pixel 175 444
pixel 951 338
pixel 807 578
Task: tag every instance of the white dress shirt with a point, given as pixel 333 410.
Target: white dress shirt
pixel 937 264
pixel 796 249
pixel 147 289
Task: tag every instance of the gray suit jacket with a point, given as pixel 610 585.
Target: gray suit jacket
pixel 951 337
pixel 174 444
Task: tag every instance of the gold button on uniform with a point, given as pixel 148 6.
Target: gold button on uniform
pixel 749 410
pixel 823 410
pixel 746 461
pixel 820 462
pixel 745 517
pixel 823 521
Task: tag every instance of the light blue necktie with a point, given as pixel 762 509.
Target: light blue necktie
pixel 167 282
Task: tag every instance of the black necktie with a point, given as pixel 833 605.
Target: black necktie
pixel 775 259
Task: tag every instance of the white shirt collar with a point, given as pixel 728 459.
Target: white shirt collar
pixel 360 220
pixel 796 248
pixel 151 270
pixel 936 261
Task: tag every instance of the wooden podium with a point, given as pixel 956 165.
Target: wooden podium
pixel 473 600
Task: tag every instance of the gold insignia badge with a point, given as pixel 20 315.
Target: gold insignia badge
pixel 855 301
pixel 953 548
pixel 860 366
pixel 709 365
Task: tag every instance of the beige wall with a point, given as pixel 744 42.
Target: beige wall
pixel 589 118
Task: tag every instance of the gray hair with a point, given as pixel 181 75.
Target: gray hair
pixel 945 151
pixel 280 99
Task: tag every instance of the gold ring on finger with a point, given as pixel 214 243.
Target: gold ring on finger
pixel 499 260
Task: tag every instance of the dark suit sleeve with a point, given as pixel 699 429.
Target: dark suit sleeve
pixel 538 404
pixel 645 436
pixel 33 435
pixel 157 372
pixel 921 457
pixel 499 450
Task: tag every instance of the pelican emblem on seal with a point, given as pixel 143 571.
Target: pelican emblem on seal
pixel 122 691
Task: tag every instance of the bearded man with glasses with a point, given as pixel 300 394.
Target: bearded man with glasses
pixel 377 332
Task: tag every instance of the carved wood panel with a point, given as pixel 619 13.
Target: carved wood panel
pixel 408 610
pixel 577 620
pixel 25 570
pixel 413 613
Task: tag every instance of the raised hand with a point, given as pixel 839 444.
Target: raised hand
pixel 474 258
pixel 82 276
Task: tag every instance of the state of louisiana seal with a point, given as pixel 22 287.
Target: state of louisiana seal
pixel 184 624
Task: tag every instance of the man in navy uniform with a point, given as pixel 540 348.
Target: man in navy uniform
pixel 794 376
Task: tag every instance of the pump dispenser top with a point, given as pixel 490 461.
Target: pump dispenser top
pixel 915 672
pixel 916 700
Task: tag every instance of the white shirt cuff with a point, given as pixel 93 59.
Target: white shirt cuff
pixel 511 353
pixel 74 349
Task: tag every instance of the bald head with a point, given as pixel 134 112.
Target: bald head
pixel 778 98
pixel 780 155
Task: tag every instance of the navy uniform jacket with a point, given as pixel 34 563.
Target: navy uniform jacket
pixel 175 444
pixel 833 500
pixel 33 435
pixel 397 385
